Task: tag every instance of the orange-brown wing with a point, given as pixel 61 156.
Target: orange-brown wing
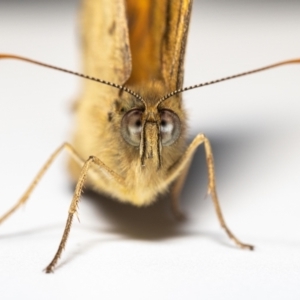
pixel 158 32
pixel 106 51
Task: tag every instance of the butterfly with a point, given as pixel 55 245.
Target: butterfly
pixel 130 137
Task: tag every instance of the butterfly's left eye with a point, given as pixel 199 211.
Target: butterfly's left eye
pixel 132 127
pixel 169 127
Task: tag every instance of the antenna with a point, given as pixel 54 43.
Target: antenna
pixel 176 92
pixel 120 87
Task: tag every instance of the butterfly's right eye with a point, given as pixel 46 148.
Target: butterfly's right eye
pixel 132 127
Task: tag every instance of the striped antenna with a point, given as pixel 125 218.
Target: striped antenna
pixel 176 92
pixel 120 87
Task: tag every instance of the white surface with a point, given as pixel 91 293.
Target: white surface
pixel 119 251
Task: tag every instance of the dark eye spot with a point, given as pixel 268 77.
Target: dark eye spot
pixel 169 127
pixel 163 123
pixel 138 123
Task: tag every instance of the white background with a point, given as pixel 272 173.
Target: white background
pixel 119 251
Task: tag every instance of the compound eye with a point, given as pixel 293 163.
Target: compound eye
pixel 169 127
pixel 132 127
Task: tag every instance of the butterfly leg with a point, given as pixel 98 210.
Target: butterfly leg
pixel 38 177
pixel 180 166
pixel 97 164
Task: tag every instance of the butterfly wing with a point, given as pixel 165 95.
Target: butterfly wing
pixel 135 41
pixel 106 51
pixel 158 33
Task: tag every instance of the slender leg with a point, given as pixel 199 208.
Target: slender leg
pixel 38 177
pixel 77 194
pixel 180 166
pixel 75 201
